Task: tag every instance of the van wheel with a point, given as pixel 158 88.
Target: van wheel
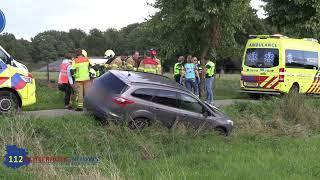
pixel 138 123
pixel 8 102
pixel 294 89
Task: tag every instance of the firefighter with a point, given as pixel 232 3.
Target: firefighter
pixel 149 65
pixel 65 80
pixel 133 62
pixel 209 72
pixel 153 53
pixel 113 62
pixel 80 67
pixel 178 70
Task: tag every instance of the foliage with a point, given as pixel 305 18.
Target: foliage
pixel 299 18
pixel 202 28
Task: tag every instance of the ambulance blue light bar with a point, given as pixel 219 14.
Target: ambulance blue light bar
pixel 267 36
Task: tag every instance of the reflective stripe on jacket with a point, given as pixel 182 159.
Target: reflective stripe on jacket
pixel 149 65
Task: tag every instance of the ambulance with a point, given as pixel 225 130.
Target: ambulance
pixel 276 64
pixel 17 85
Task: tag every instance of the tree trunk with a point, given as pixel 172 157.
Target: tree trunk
pixel 211 39
pixel 204 53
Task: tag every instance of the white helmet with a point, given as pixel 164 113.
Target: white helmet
pixel 109 54
pixel 84 53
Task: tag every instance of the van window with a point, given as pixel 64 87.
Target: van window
pixel 167 98
pixel 301 59
pixel 4 57
pixel 113 84
pixel 262 57
pixel 145 94
pixel 190 104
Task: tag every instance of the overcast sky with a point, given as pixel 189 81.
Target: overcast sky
pixel 26 18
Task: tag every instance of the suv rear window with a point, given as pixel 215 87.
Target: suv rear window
pixel 113 84
pixel 262 57
pixel 145 94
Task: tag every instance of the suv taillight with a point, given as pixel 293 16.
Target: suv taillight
pixel 281 74
pixel 122 102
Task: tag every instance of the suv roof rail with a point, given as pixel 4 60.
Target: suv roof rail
pixel 159 84
pixel 267 36
pixel 311 39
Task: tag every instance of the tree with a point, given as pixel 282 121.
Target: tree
pixel 295 17
pixel 199 27
pixel 19 49
pixel 76 36
pixel 94 43
pixel 43 46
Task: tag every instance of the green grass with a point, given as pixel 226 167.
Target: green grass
pixel 48 97
pixel 227 87
pixel 276 138
pixel 43 75
pixel 47 94
pixel 157 153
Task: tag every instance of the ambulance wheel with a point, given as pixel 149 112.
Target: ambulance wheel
pixel 8 102
pixel 294 89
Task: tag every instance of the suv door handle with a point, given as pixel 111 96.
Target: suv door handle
pixel 184 115
pixel 156 109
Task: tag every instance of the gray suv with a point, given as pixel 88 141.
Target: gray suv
pixel 143 98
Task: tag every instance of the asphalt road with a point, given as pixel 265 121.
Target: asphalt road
pixel 63 112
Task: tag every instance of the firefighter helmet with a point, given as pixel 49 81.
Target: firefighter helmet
pixel 84 53
pixel 109 54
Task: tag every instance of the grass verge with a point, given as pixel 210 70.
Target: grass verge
pixel 264 145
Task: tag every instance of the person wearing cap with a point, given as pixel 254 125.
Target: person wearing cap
pixel 149 65
pixel 65 81
pixel 80 67
pixel 153 53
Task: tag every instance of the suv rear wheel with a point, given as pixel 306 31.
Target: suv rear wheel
pixel 8 102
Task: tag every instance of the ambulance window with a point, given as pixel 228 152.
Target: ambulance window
pixel 262 57
pixel 301 59
pixel 4 57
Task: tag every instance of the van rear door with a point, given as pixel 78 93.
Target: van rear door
pixel 261 68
